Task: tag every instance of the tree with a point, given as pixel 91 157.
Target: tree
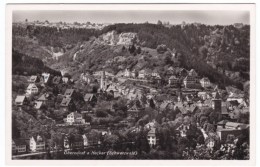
pixel 101 113
pixel 138 50
pixel 203 119
pixel 159 22
pixel 111 140
pixel 132 48
pixel 161 48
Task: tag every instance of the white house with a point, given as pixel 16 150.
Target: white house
pixel 75 118
pixel 205 82
pixel 151 137
pixel 142 74
pixel 85 140
pixel 31 89
pixel 46 77
pixel 37 143
pixel 127 73
pixel 155 73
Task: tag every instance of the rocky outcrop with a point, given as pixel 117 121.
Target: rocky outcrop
pixel 113 38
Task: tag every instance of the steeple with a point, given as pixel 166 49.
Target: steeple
pixel 103 80
pixel 216 102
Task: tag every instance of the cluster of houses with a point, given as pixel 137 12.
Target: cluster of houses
pixel 40 143
pixel 33 144
pixel 139 97
pixel 189 79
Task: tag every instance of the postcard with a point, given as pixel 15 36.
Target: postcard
pixel 146 84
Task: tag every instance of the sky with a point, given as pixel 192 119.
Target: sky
pixel 174 17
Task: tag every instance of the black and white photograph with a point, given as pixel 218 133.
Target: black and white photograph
pixel 131 83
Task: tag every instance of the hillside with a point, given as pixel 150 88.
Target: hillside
pixel 219 52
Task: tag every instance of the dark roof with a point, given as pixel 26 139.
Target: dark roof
pixel 56 79
pixel 33 78
pixel 69 92
pixel 217 96
pixel 234 102
pixel 136 106
pixel 20 141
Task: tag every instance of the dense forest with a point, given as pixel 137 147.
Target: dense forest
pixel 26 65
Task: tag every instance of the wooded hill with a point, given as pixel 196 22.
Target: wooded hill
pixel 212 51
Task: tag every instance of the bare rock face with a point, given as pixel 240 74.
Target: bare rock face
pixel 127 38
pixel 113 38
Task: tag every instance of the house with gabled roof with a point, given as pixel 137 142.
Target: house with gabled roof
pixel 205 82
pixel 37 143
pixel 174 81
pixel 193 73
pixel 65 79
pixel 114 89
pixel 32 89
pixel 75 118
pixel 203 95
pixel 90 98
pixel 155 73
pixel 230 128
pixel 38 105
pixel 19 146
pixel 142 74
pixel 127 73
pixel 190 82
pixel 151 137
pixel 46 98
pixel 67 104
pixel 135 109
pixel 46 77
pixel 86 77
pixel 20 100
pixel 69 93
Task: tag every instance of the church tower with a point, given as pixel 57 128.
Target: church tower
pixel 216 103
pixel 103 81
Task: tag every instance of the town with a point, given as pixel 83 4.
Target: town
pixel 131 111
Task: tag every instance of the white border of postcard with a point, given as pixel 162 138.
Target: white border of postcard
pixel 245 7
